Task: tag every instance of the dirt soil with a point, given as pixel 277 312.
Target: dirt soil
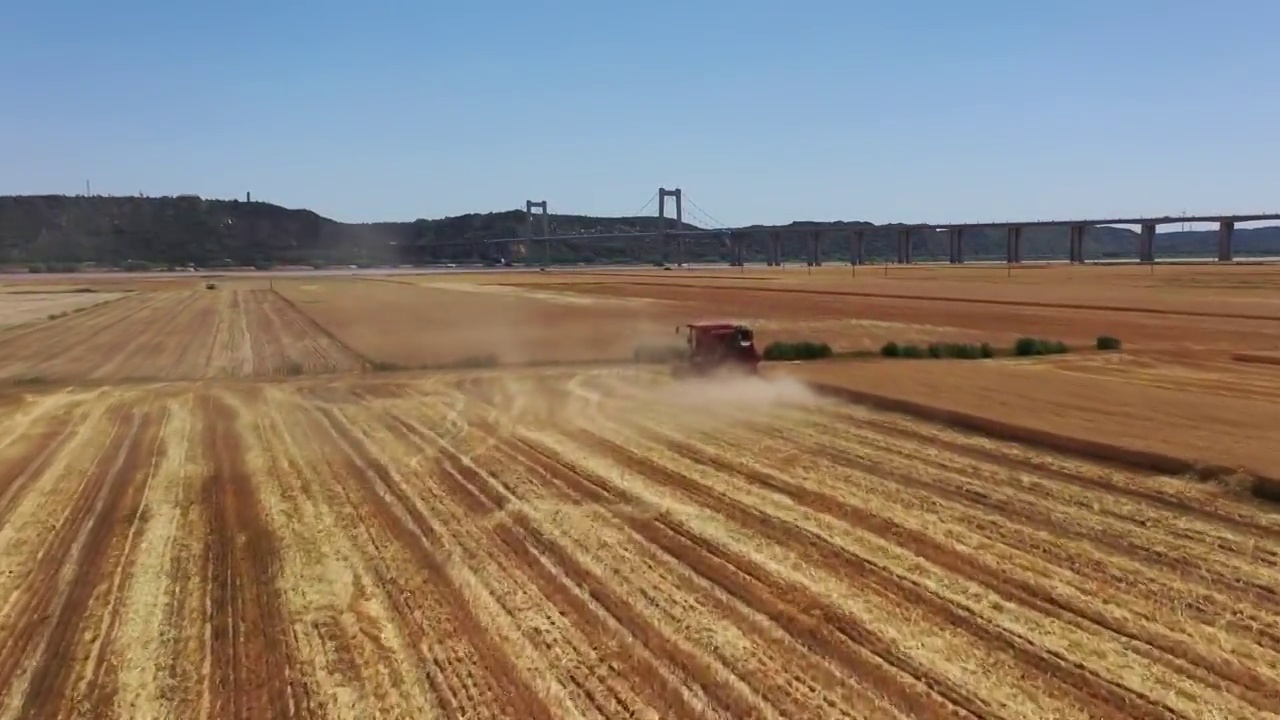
pixel 602 544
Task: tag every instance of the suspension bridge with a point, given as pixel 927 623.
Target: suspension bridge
pixel 818 237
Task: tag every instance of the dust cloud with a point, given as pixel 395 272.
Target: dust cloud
pixel 729 391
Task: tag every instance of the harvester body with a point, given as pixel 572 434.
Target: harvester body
pixel 719 346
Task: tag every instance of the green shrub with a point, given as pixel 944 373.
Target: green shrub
pixel 383 366
pixel 986 351
pixel 1027 346
pixel 1106 342
pixel 293 368
pixel 803 350
pixel 914 352
pixel 891 349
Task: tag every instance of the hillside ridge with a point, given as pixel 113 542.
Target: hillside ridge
pixel 133 232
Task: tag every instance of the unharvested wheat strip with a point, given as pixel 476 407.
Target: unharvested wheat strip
pixel 745 651
pixel 476 666
pixel 545 637
pixel 661 499
pixel 324 578
pixel 1121 664
pixel 1152 595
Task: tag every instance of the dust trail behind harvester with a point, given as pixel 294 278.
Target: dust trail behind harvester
pixel 705 403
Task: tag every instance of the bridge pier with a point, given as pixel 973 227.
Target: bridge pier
pixel 1226 229
pixel 1077 243
pixel 774 253
pixel 1147 243
pixel 955 241
pixel 857 247
pixel 1013 247
pixel 815 249
pixel 904 246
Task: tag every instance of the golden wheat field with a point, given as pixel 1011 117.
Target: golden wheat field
pixel 222 504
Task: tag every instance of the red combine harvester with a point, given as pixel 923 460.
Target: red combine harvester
pixel 719 346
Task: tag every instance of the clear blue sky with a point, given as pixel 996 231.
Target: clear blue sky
pixel 761 111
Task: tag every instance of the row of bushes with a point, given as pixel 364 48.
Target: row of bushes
pixel 1027 346
pixel 1022 347
pixel 961 351
pixel 802 350
pixel 780 351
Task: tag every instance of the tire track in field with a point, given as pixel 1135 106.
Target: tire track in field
pixel 790 678
pixel 609 619
pixel 1148 531
pixel 931 696
pixel 489 681
pixel 542 628
pixel 1238 673
pixel 230 354
pixel 85 621
pixel 43 610
pixel 360 662
pixel 72 346
pixel 747 443
pixel 138 355
pixel 843 564
pixel 1179 655
pixel 964 492
pixel 253 660
pixel 342 355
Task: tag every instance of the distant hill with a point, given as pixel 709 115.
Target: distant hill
pixel 62 232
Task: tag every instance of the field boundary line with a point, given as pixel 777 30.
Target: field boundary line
pixel 950 299
pixel 1259 486
pixel 308 320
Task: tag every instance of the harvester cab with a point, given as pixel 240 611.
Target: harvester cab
pixel 716 346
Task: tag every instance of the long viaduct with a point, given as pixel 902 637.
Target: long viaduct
pixel 817 234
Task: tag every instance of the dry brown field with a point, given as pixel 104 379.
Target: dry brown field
pixel 219 504
pixel 179 332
